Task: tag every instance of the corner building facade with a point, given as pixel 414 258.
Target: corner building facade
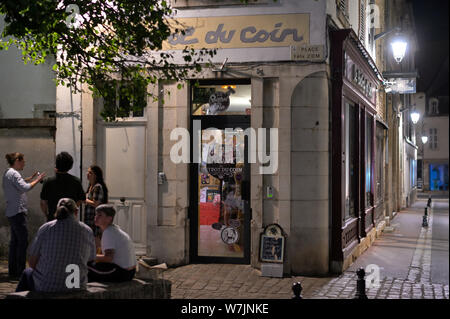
pixel 293 66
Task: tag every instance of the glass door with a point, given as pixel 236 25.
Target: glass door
pixel 221 193
pixel 220 174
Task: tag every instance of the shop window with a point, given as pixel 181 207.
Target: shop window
pixel 438 177
pixel 380 162
pixel 351 173
pixel 221 99
pixel 368 159
pixel 412 173
pixel 419 169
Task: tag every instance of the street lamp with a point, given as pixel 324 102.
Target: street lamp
pixel 398 44
pixel 415 116
pixel 399 49
pixel 424 139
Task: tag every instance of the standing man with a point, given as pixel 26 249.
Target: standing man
pixel 62 185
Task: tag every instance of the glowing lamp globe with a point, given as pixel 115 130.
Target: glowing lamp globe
pixel 399 49
pixel 415 117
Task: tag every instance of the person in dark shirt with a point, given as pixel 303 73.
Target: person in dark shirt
pixel 62 185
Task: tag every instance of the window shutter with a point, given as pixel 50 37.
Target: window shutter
pixel 362 20
pixel 343 6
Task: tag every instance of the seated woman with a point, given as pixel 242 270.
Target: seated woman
pixel 118 259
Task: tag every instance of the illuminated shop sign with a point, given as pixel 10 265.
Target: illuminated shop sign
pixel 273 30
pixel 355 74
pixel 401 85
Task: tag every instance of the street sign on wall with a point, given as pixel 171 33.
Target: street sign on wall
pixel 401 85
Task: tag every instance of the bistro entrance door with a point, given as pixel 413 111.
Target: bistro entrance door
pixel 220 197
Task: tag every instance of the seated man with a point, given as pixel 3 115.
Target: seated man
pixel 61 248
pixel 118 261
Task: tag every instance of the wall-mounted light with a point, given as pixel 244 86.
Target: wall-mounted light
pixel 415 116
pixel 398 43
pixel 398 48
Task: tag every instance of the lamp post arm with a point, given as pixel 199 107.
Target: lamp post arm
pixel 383 34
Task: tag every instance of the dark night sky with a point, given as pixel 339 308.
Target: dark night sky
pixel 432 29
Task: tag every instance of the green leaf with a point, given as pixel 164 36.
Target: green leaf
pixel 95 53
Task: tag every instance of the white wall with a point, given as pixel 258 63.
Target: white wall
pixel 22 86
pixel 68 132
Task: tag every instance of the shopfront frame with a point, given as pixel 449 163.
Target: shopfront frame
pixel 219 122
pixel 347 233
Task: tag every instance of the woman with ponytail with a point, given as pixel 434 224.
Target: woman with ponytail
pixel 14 188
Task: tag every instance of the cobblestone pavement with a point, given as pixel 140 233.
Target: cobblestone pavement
pixel 227 281
pixel 222 281
pixel 6 285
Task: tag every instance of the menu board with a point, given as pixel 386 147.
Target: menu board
pixel 272 249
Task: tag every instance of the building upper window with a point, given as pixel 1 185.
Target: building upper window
pixel 433 139
pixel 433 107
pixel 119 104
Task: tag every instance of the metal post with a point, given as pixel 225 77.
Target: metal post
pixel 429 201
pixel 361 285
pixel 424 221
pixel 297 289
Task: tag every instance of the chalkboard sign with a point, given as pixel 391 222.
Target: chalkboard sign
pixel 272 249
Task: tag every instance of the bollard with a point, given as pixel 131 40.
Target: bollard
pixel 361 285
pixel 429 202
pixel 426 211
pixel 425 221
pixel 297 289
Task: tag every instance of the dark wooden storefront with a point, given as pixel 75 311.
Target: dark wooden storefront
pixel 355 80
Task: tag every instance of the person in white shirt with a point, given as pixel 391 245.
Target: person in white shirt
pixel 118 259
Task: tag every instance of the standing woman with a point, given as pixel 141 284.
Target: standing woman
pixel 96 194
pixel 14 188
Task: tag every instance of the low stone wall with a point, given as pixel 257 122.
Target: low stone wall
pixel 135 289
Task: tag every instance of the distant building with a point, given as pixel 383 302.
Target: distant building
pixel 436 150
